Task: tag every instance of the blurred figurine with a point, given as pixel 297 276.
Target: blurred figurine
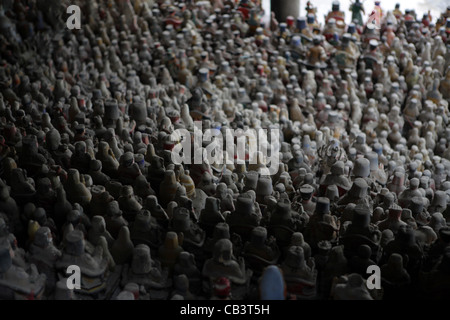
pixel 356 8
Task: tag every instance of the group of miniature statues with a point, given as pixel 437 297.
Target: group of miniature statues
pixel 87 127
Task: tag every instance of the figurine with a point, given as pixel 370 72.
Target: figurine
pixel 404 198
pixel 351 287
pixel 321 225
pixel 260 251
pixel 147 272
pixel 19 283
pixel 223 263
pixel 316 55
pixel 283 222
pixel 306 194
pixel 168 187
pixel 128 170
pixel 300 274
pixel 145 229
pixel 44 254
pixel 122 248
pixel 98 229
pixel 128 202
pixel 336 177
pixel 193 236
pixel 76 190
pixel 93 267
pixel 186 264
pixel 211 215
pixel 336 14
pixel 356 8
pixel 347 53
pixel 114 218
pixel 244 218
pixel 358 194
pixel 169 251
pixel 359 232
pixel 405 244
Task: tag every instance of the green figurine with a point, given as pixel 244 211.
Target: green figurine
pixel 356 8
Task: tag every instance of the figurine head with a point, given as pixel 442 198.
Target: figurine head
pixel 43 237
pixel 141 262
pixel 373 44
pixel 351 28
pixel 295 257
pixel 223 251
pixel 335 6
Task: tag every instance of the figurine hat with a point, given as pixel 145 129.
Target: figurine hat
pixel 323 205
pixel 416 205
pixel 251 180
pixel 306 189
pixel 332 192
pixel 351 28
pixel 112 109
pixel 395 211
pixel 171 240
pixel 259 236
pixel 359 188
pixel 373 159
pixel 75 243
pixel 373 43
pixel 283 209
pixel 264 186
pixel 221 231
pixel 414 183
pixel 338 168
pixel 212 205
pixel 361 168
pixel 244 205
pixel 361 216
